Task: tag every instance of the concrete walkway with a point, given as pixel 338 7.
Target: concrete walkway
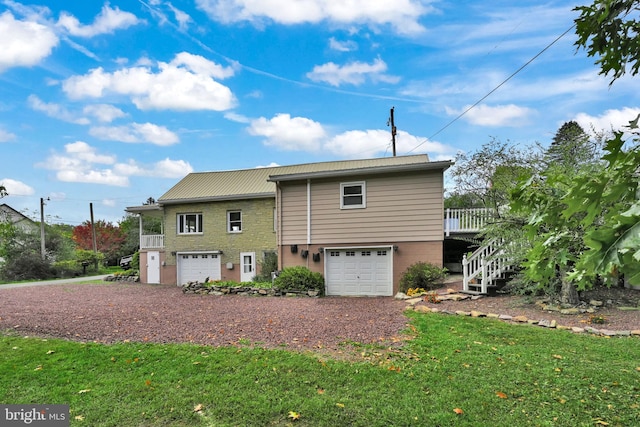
pixel 53 282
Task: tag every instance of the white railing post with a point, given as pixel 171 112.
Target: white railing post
pixel 447 221
pixel 465 273
pixel 485 276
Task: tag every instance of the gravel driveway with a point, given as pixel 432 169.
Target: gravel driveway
pixel 156 313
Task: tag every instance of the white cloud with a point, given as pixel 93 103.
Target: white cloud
pixel 183 18
pixel 270 165
pixel 56 111
pixel 186 83
pixel 501 115
pixel 6 136
pixel 355 73
pixel 609 120
pixel 289 133
pixel 24 43
pixel 82 163
pixel 17 188
pixel 235 117
pixel 372 142
pixel 346 46
pixel 104 112
pixel 401 15
pixel 302 134
pixel 166 168
pixel 136 133
pixel 78 165
pixel 109 20
pixel 109 202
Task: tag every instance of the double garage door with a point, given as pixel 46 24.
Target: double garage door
pixel 362 272
pixel 198 267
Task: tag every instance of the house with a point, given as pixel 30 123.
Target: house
pixel 8 215
pixel 360 223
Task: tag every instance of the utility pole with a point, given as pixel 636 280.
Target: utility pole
pixel 42 246
pixel 391 123
pixel 93 232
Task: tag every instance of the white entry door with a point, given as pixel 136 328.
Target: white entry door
pixel 247 266
pixel 153 267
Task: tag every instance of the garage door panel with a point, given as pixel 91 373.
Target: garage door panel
pixel 198 267
pixel 364 271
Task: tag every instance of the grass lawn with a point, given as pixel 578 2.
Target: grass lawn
pixel 457 371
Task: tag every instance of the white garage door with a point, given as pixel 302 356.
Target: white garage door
pixel 365 271
pixel 198 267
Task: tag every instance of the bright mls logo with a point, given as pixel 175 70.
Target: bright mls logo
pixel 34 415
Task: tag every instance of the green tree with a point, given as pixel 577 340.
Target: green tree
pixel 608 29
pixel 570 148
pixel 486 176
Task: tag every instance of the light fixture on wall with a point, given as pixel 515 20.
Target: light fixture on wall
pixel 304 253
pixel 395 248
pixel 321 250
pixel 294 249
pixel 316 257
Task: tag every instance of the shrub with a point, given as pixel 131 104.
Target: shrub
pixel 268 264
pixel 299 279
pixel 29 266
pixel 69 268
pixel 422 275
pixel 135 261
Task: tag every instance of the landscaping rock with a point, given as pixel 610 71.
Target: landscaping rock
pixel 401 296
pixel 422 309
pixel 596 303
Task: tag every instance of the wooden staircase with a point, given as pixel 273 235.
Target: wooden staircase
pixel 486 268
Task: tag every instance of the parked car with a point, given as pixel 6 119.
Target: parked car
pixel 125 262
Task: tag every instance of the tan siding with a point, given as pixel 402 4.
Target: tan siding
pixel 398 208
pixel 294 213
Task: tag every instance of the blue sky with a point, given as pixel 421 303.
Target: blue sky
pixel 111 103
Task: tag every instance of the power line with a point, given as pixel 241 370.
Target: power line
pixel 492 90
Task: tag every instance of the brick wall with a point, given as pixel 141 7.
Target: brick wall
pixel 257 233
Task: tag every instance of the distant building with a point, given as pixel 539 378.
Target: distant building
pixel 12 216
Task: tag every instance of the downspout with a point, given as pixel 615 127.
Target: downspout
pixel 279 226
pixel 139 232
pixel 308 218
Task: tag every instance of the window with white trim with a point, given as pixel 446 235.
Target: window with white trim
pixel 234 221
pixel 353 195
pixel 189 223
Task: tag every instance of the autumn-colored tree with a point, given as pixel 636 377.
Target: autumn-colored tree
pixel 109 238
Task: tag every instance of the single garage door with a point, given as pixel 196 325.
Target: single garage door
pixel 198 267
pixel 365 271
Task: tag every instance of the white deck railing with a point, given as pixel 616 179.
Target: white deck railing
pixel 152 241
pixel 466 220
pixel 486 264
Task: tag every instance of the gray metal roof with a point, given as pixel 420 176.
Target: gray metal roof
pixel 260 182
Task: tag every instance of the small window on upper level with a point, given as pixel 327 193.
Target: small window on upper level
pixel 190 223
pixel 234 221
pixel 353 195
